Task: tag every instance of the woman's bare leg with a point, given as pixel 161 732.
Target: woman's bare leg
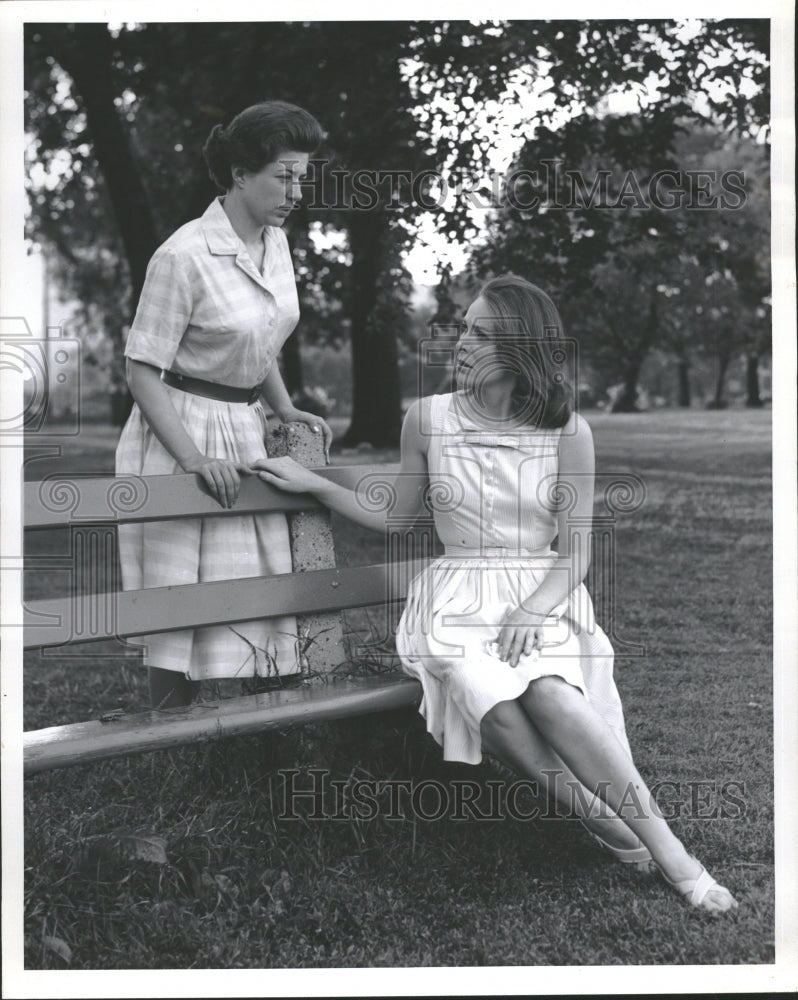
pixel 509 734
pixel 589 747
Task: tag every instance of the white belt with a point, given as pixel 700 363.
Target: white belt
pixel 495 552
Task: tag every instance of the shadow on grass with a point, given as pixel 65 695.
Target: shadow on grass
pixel 245 886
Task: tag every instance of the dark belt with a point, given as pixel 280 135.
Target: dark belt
pixel 212 390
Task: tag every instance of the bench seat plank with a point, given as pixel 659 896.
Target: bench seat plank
pixel 84 742
pixel 91 618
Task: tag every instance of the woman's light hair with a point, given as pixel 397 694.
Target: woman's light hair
pixel 528 330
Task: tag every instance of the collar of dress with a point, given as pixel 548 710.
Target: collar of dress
pixel 466 430
pixel 222 239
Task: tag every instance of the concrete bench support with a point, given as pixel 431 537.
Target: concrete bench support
pixel 312 547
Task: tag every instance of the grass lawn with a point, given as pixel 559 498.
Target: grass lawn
pixel 242 887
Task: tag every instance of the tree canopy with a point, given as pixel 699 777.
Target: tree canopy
pixel 652 232
pixel 117 119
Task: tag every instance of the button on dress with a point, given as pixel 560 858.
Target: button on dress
pixel 207 312
pixel 494 498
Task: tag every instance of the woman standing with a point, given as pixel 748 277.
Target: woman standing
pixel 219 301
pixel 500 631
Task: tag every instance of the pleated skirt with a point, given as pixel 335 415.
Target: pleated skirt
pixel 200 550
pixel 446 638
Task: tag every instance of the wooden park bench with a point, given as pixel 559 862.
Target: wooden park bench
pixel 317 592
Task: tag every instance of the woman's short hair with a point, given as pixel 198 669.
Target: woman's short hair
pixel 529 335
pixel 257 136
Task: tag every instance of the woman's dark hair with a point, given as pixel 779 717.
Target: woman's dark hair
pixel 257 136
pixel 529 336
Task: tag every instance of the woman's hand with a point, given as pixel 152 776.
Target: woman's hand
pixel 520 632
pixel 316 424
pixel 221 477
pixel 287 475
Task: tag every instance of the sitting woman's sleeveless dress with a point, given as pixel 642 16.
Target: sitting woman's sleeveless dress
pixel 494 497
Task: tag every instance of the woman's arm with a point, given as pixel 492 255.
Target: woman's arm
pixel 408 485
pixel 575 485
pixel 220 475
pixel 276 395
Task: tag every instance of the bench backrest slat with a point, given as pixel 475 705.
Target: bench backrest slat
pixel 62 500
pixel 94 505
pixel 92 618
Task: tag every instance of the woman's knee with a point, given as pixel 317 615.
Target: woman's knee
pixel 552 697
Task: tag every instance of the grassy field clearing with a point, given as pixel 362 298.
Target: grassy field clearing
pixel 243 888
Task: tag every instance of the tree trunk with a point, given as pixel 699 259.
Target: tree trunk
pixel 241 84
pixel 87 56
pixel 296 230
pixel 292 365
pixel 753 398
pixel 121 403
pixel 683 370
pixel 376 392
pixel 718 401
pixel 85 52
pixel 627 400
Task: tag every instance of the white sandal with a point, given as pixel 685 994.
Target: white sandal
pixel 640 856
pixel 695 890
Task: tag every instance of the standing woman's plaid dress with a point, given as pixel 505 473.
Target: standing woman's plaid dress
pixel 206 312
